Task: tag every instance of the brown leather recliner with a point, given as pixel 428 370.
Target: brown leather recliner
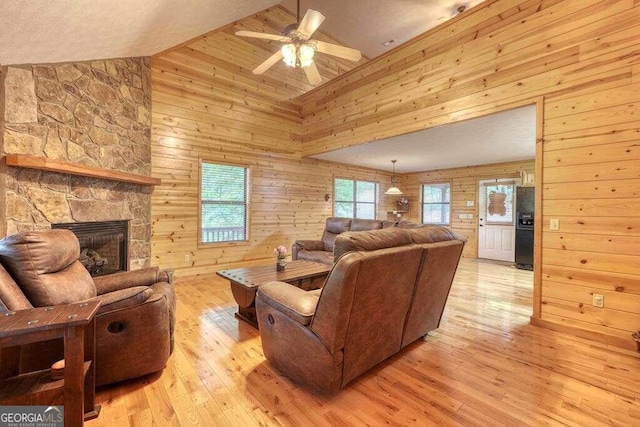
pixel 387 289
pixel 134 324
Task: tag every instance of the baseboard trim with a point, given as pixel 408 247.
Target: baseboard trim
pixel 582 333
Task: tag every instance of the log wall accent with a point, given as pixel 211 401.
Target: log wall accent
pixel 287 203
pixel 582 57
pixel 464 187
pixel 208 105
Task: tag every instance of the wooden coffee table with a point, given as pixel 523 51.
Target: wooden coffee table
pixel 245 281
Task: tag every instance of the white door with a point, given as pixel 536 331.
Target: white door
pixel 496 219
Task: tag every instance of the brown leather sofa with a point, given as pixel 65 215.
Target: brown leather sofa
pixel 134 324
pixel 322 250
pixel 387 289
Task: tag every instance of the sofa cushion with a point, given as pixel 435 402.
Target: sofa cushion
pixel 323 257
pixel 433 234
pixel 358 224
pixel 337 225
pixel 11 296
pixel 409 224
pixel 45 265
pixel 328 240
pixel 370 240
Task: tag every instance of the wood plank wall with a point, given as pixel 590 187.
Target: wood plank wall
pixel 583 58
pixel 464 187
pixel 207 104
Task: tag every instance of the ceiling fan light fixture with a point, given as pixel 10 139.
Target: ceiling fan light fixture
pixel 305 55
pixel 297 54
pixel 289 54
pixel 299 48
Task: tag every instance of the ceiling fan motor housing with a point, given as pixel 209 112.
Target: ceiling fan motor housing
pixel 289 30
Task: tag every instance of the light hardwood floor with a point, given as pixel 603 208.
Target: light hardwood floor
pixel 485 365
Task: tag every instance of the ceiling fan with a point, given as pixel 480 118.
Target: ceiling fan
pixel 299 47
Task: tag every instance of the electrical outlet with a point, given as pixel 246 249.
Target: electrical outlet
pixel 554 224
pixel 598 300
pixel 470 203
pixel 187 257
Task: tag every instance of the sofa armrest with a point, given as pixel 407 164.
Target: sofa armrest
pixel 123 298
pixel 309 245
pixel 166 275
pixel 297 304
pixel 128 279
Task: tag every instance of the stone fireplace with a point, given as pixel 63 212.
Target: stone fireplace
pixel 95 114
pixel 104 245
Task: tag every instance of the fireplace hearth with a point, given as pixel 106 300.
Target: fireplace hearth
pixel 103 245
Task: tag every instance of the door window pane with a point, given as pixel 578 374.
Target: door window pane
pixel 499 206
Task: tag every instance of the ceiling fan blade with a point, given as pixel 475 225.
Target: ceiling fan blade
pixel 268 63
pixel 337 50
pixel 276 37
pixel 310 23
pixel 313 74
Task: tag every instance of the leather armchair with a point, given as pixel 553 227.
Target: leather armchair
pixel 134 324
pixel 387 289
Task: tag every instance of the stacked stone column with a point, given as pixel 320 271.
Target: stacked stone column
pixel 94 113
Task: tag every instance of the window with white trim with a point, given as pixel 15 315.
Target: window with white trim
pixel 436 203
pixel 355 199
pixel 224 202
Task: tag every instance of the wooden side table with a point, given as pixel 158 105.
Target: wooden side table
pixel 74 323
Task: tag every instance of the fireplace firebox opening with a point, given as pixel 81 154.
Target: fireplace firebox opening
pixel 104 246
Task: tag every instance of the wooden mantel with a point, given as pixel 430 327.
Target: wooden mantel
pixel 45 164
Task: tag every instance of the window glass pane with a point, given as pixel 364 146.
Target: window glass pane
pixel 437 213
pixel 223 216
pixel 366 211
pixel 365 191
pixel 355 199
pixel 344 190
pixel 223 223
pixel 344 209
pixel 436 206
pixel 499 199
pixel 436 193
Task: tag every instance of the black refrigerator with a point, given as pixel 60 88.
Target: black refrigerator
pixel 525 203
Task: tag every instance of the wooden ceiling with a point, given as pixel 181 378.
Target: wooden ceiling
pixel 228 53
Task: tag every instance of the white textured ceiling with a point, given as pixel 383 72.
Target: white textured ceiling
pixel 367 24
pixel 501 137
pixel 41 31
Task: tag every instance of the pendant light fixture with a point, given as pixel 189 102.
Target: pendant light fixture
pixel 393 190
